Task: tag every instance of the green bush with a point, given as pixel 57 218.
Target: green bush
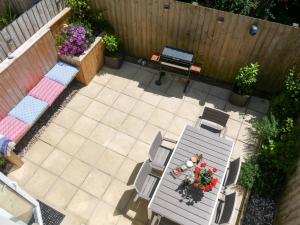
pixel 81 9
pixel 250 172
pixel 112 43
pixel 246 79
pixel 267 128
pixel 287 103
pixel 3 163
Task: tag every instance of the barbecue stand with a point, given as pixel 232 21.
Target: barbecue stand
pixel 175 59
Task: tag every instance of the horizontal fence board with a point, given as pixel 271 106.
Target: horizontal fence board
pixel 20 30
pixel 221 47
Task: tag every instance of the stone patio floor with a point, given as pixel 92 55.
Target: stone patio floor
pixel 85 162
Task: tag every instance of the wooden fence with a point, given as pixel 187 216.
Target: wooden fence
pixel 20 30
pixel 289 206
pixel 18 6
pixel 220 40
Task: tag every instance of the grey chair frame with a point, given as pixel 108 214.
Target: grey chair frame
pixel 156 147
pixel 233 173
pixel 214 116
pixel 142 177
pixel 227 209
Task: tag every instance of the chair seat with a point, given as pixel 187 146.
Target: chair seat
pixel 13 128
pixel 29 110
pixel 161 158
pixel 62 73
pixel 47 90
pixel 149 187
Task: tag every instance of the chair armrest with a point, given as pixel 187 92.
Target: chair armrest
pixel 170 140
pixel 155 219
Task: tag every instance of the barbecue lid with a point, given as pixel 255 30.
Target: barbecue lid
pixel 177 54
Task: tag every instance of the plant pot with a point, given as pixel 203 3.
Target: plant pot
pixel 238 100
pixel 114 62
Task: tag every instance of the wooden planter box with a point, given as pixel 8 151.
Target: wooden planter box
pixel 89 63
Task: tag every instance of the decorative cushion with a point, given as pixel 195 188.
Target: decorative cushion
pixel 29 110
pixel 62 73
pixel 47 90
pixel 13 128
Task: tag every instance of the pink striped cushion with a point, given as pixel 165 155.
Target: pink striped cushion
pixel 47 90
pixel 13 128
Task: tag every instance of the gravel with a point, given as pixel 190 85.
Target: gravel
pixel 260 211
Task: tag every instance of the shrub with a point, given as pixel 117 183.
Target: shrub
pixel 112 43
pixel 267 128
pixel 3 163
pixel 81 9
pixel 287 103
pixel 250 171
pixel 246 79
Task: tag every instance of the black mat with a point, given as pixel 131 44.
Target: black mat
pixel 50 216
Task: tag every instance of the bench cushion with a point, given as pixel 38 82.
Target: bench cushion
pixel 29 110
pixel 13 128
pixel 62 73
pixel 47 90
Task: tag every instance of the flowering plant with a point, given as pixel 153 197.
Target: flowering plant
pixel 74 40
pixel 204 179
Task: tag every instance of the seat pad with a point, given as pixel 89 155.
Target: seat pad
pixel 47 90
pixel 29 110
pixel 62 73
pixel 13 128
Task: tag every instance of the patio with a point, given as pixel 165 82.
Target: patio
pixel 86 160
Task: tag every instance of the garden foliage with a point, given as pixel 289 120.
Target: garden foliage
pixel 246 79
pixel 277 157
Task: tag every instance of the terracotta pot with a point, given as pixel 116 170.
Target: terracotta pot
pixel 238 100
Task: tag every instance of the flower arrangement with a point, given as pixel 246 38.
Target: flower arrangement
pixel 204 179
pixel 74 40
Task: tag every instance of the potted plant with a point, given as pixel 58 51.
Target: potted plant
pixel 113 55
pixel 244 85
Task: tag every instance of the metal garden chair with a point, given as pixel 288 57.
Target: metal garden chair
pixel 158 154
pixel 233 172
pixel 226 209
pixel 213 120
pixel 145 183
pixel 158 220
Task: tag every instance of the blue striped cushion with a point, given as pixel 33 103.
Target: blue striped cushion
pixel 29 110
pixel 62 73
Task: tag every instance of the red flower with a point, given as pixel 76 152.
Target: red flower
pixel 203 188
pixel 214 181
pixel 209 171
pixel 197 180
pixel 197 169
pixel 215 170
pixel 196 175
pixel 203 165
pixel 196 185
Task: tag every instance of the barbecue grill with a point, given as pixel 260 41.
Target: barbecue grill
pixel 173 58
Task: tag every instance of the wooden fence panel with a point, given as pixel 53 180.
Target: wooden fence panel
pixel 220 40
pixel 20 30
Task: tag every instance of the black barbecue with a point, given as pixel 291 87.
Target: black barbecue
pixel 175 59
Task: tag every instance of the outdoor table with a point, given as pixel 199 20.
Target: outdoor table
pixel 168 200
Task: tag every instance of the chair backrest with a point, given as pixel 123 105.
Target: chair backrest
pixel 155 145
pixel 228 208
pixel 215 115
pixel 233 172
pixel 140 179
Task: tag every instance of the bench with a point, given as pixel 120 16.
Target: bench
pixel 29 85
